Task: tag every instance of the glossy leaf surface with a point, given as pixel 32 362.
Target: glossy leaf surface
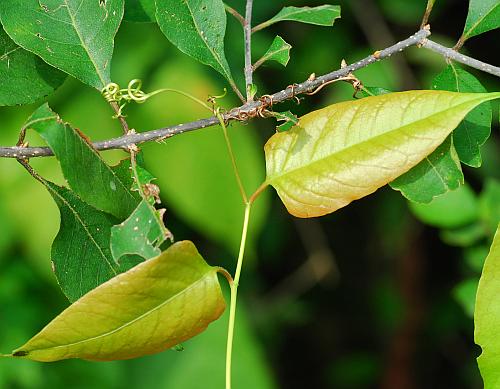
pixel 84 169
pixel 197 28
pixel 72 35
pixel 323 15
pixel 487 317
pixel 279 51
pixel 348 150
pixel 152 307
pixel 475 129
pixel 24 77
pixel 484 15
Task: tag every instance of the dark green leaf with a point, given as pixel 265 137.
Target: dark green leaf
pixel 197 28
pixel 87 174
pixel 288 118
pixel 487 316
pixel 81 258
pixel 484 15
pixel 24 77
pixel 475 129
pixel 72 35
pixel 140 11
pixel 453 209
pixel 323 15
pixel 279 51
pixel 156 305
pixel 438 173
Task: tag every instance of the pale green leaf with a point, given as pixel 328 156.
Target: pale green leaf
pixel 487 317
pixel 84 169
pixel 348 150
pixel 152 307
pixel 24 77
pixel 436 174
pixel 142 233
pixel 279 51
pixel 484 15
pixel 323 15
pixel 475 129
pixel 72 35
pixel 453 209
pixel 197 28
pixel 142 11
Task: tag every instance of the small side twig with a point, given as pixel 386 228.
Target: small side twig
pixel 235 13
pixel 247 30
pixel 427 13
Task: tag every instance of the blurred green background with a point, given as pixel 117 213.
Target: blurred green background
pixel 364 298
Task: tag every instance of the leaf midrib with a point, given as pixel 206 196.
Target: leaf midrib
pixel 473 27
pixel 270 180
pixel 305 9
pixel 129 323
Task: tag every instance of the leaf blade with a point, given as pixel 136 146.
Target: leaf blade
pixel 310 165
pixel 75 36
pixel 278 51
pixel 323 15
pixel 141 323
pixel 483 16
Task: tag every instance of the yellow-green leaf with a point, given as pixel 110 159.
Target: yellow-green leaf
pixel 348 150
pixel 150 308
pixel 487 317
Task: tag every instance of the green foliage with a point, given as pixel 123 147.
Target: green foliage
pixel 318 167
pixel 487 317
pixel 323 15
pixel 279 51
pixel 142 11
pixel 197 28
pixel 24 77
pixel 484 15
pixel 76 37
pixel 151 308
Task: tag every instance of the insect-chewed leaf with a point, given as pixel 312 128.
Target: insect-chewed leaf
pixel 84 169
pixel 348 150
pixel 484 15
pixel 24 77
pixel 73 35
pixel 197 28
pixel 279 51
pixel 487 317
pixel 150 308
pixel 323 15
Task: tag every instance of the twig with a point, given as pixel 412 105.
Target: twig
pixel 247 30
pixel 250 110
pixel 464 59
pixel 428 10
pixel 236 14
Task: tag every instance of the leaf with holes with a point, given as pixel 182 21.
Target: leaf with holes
pixel 484 15
pixel 197 28
pixel 24 77
pixel 152 307
pixel 323 15
pixel 487 316
pixel 279 51
pixel 72 35
pixel 84 169
pixel 475 129
pixel 348 150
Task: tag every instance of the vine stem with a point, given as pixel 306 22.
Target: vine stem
pixel 234 295
pixel 247 31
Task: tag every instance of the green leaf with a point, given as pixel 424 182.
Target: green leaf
pixel 436 174
pixel 323 15
pixel 197 28
pixel 465 294
pixel 142 11
pixel 24 77
pixel 373 91
pixel 487 317
pixel 154 306
pixel 142 233
pixel 489 205
pixel 348 150
pixel 465 236
pixel 279 51
pixel 453 209
pixel 484 15
pixel 84 169
pixel 81 258
pixel 475 129
pixel 288 118
pixel 72 35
